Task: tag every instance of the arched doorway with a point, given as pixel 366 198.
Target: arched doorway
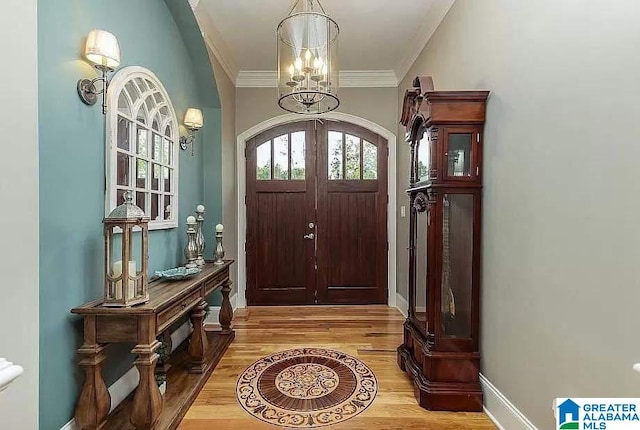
pixel 316 212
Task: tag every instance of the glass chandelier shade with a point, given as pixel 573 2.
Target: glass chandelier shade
pixel 308 78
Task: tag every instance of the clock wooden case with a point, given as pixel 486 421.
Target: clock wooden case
pixel 440 352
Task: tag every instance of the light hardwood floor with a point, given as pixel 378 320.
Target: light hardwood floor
pixel 370 333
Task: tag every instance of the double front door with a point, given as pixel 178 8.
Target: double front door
pixel 316 215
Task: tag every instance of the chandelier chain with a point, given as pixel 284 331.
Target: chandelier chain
pixel 310 4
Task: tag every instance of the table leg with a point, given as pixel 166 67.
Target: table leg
pixel 147 401
pixel 226 311
pixel 198 342
pixel 94 402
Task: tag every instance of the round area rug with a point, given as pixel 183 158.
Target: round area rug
pixel 306 387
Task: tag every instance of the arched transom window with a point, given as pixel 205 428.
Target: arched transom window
pixel 282 158
pixel 351 157
pixel 142 146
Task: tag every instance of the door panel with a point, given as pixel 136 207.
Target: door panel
pixel 280 205
pixel 280 272
pixel 352 215
pixel 352 231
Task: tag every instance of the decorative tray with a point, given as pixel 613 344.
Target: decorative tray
pixel 177 273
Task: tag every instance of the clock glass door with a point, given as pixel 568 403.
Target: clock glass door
pixel 423 159
pixel 457 268
pixel 462 153
pixel 420 269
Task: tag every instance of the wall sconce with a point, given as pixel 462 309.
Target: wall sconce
pixel 193 121
pixel 103 51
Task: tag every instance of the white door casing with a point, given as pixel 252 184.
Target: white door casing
pixel 241 181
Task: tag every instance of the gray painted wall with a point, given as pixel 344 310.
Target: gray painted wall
pixel 560 254
pixel 380 105
pixel 19 302
pixel 227 91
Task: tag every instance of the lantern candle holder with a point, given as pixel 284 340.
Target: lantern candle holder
pixel 191 250
pixel 219 254
pixel 124 284
pixel 200 242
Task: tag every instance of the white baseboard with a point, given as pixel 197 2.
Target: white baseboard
pixel 128 382
pixel 213 317
pixel 504 414
pixel 234 302
pixel 212 320
pixel 120 389
pixel 71 425
pixel 402 305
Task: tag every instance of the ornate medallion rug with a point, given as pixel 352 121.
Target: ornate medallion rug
pixel 306 388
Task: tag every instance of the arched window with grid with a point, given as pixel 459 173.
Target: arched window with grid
pixel 142 146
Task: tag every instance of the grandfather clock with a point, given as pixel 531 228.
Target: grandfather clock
pixel 440 352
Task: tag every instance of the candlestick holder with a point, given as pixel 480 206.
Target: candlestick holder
pixel 191 250
pixel 219 254
pixel 200 242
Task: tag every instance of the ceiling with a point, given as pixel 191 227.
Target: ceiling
pixel 375 35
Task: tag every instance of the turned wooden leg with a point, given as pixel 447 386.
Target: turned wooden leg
pixel 147 401
pixel 226 311
pixel 94 402
pixel 198 342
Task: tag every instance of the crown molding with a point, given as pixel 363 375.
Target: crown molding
pixel 222 56
pixel 215 43
pixel 257 79
pixel 368 79
pixel 348 79
pixel 436 14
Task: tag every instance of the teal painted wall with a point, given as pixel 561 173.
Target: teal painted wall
pixel 152 34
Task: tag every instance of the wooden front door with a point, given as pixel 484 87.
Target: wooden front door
pixel 316 215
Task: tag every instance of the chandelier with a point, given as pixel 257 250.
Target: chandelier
pixel 308 60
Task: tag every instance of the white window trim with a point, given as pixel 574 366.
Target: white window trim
pixel 122 77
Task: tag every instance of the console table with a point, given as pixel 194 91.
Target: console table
pixel 142 324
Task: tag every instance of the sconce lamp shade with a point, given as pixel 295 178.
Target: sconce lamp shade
pixel 193 119
pixel 102 49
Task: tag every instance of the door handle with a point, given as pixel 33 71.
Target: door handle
pixel 309 236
